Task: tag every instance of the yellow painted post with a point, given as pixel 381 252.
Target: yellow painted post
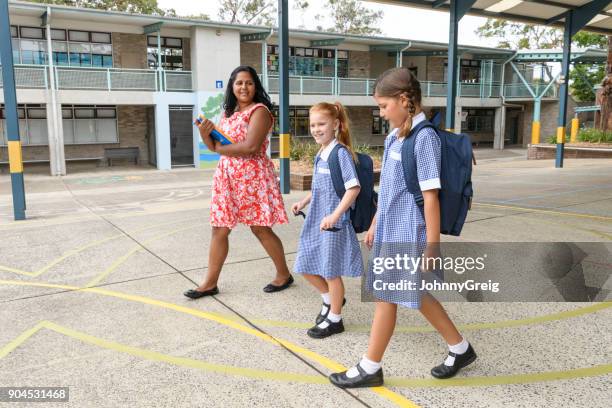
pixel 561 135
pixel 535 133
pixel 575 127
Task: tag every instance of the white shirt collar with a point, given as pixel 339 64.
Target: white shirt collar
pixel 415 121
pixel 327 151
pixel 418 119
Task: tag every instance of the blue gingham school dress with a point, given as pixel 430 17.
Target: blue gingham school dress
pixel 400 227
pixel 326 253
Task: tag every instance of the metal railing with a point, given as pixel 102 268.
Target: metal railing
pixel 301 85
pixel 520 91
pixel 103 79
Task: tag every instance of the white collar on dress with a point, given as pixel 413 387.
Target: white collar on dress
pixel 415 121
pixel 327 151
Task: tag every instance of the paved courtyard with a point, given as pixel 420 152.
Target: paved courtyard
pixel 91 298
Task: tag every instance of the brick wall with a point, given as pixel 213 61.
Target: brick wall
pixel 186 54
pixel 129 51
pixel 250 54
pixel 435 69
pixel 359 64
pixel 549 114
pixel 132 126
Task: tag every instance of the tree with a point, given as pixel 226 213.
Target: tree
pixel 257 12
pixel 519 36
pixel 130 6
pixel 514 35
pixel 350 17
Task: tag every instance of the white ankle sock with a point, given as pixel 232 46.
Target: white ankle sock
pixel 458 348
pixel 367 365
pixel 326 298
pixel 334 318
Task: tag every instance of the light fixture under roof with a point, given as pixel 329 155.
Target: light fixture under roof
pixel 503 5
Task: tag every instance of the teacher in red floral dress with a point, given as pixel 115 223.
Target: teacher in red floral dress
pixel 245 188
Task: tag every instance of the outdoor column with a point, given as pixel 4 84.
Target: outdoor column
pixel 10 114
pixel 283 95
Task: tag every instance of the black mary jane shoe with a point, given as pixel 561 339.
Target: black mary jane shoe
pixel 333 328
pixel 461 360
pixel 196 294
pixel 363 380
pixel 270 288
pixel 322 316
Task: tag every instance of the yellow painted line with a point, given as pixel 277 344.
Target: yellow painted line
pixel 593 371
pixel 535 210
pixel 122 259
pixel 465 327
pixel 19 340
pixel 15 158
pixel 324 361
pixel 512 379
pixel 76 251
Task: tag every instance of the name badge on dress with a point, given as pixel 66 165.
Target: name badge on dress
pixel 395 155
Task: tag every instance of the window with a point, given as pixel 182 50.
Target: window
pixel 469 73
pixel 379 125
pixel 171 53
pixel 59 35
pixel 32 32
pixel 89 124
pixel 104 38
pixel 479 121
pixel 80 36
pixel 32 124
pixel 69 47
pixel 299 123
pixel 316 62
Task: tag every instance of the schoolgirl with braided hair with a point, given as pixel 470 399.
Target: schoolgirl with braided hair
pixel 400 228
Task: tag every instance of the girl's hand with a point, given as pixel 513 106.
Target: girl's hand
pixel 369 237
pixel 431 256
pixel 328 222
pixel 295 208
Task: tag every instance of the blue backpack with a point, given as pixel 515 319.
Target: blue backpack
pixel 455 176
pixel 366 202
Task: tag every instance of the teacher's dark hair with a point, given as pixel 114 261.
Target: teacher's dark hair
pixel 261 96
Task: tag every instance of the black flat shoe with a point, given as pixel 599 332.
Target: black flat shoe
pixel 270 288
pixel 196 294
pixel 322 316
pixel 363 380
pixel 318 333
pixel 461 360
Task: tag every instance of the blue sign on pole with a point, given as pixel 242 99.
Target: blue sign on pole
pixel 219 84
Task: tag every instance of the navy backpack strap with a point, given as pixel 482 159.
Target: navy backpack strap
pixel 335 171
pixel 409 163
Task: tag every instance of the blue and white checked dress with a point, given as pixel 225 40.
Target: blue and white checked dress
pixel 400 227
pixel 326 253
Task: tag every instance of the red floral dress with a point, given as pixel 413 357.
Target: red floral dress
pixel 245 189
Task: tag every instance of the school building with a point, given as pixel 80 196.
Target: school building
pixel 90 82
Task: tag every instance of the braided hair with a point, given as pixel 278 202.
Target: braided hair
pixel 395 82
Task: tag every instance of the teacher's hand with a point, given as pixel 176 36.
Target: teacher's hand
pixel 205 127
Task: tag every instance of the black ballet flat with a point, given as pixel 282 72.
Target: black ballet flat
pixel 196 294
pixel 363 380
pixel 333 328
pixel 461 360
pixel 322 316
pixel 270 288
